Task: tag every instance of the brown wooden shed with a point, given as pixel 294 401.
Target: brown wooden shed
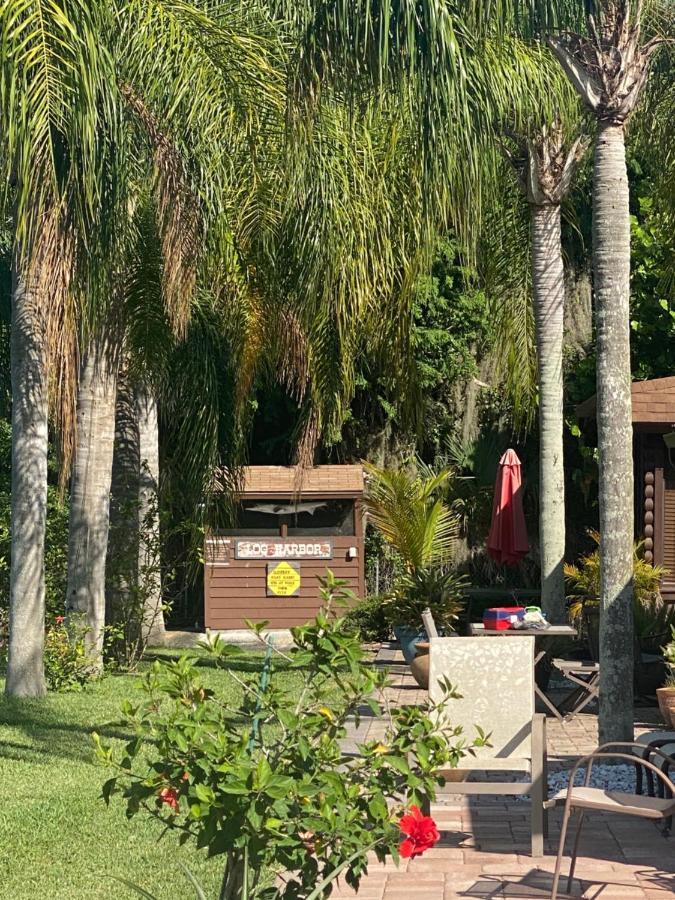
pixel 653 405
pixel 267 568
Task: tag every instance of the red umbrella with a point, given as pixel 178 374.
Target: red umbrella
pixel 507 541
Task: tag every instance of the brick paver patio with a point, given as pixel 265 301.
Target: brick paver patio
pixel 484 847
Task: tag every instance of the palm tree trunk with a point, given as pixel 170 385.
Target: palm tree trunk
pixel 548 279
pixel 25 669
pixel 611 254
pixel 122 564
pixel 90 493
pixel 148 515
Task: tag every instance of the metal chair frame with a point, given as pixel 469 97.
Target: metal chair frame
pixel 588 761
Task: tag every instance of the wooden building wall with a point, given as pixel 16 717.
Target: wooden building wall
pixel 235 589
pixel 655 494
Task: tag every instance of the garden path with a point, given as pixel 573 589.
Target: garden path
pixel 484 846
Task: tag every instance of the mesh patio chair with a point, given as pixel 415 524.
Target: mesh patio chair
pixel 582 799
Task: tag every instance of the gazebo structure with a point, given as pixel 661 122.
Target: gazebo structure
pixel 654 456
pixel 291 527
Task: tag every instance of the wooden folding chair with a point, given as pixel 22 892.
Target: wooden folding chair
pixel 586 677
pixel 584 798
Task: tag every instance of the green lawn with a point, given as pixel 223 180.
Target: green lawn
pixel 57 837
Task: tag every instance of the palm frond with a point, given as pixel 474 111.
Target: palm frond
pixel 406 510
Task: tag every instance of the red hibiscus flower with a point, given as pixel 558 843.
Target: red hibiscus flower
pixel 169 796
pixel 59 620
pixel 421 833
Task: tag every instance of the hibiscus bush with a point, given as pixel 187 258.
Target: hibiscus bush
pixel 266 783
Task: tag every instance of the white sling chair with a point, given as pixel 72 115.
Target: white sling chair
pixel 495 679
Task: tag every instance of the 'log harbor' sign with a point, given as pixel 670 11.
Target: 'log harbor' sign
pixel 283 549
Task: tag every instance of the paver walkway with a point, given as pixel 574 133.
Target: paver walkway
pixel 484 847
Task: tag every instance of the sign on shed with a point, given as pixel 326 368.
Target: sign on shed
pixel 283 579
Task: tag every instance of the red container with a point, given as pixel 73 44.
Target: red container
pixel 502 618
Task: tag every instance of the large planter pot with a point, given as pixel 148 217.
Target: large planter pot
pixel 408 638
pixel 666 698
pixel 420 665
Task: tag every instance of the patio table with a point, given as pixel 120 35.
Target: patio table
pixel 477 629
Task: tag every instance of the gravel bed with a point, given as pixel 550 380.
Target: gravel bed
pixel 620 777
pixel 613 778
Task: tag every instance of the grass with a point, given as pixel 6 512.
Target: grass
pixel 58 840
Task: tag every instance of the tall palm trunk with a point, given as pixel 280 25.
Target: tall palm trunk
pixel 608 69
pixel 148 515
pixel 611 260
pixel 25 669
pixel 90 492
pixel 122 566
pixel 134 580
pixel 546 167
pixel 548 281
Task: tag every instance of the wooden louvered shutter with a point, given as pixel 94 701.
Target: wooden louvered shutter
pixel 669 524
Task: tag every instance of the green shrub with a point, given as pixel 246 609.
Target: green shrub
pixel 264 782
pixel 368 619
pixel 67 665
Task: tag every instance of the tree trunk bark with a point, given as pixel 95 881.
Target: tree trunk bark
pixel 611 252
pixel 548 279
pixel 25 669
pixel 122 568
pixel 90 493
pixel 148 516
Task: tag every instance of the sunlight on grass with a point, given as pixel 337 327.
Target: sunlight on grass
pixel 59 840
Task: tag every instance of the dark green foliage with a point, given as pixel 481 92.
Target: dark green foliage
pixel 451 332
pixel 652 294
pixel 368 619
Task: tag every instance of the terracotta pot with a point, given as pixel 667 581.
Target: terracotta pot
pixel 666 698
pixel 453 776
pixel 420 664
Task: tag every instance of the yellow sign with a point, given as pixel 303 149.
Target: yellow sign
pixel 283 579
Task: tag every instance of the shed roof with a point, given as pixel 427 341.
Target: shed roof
pixel 328 481
pixel 653 402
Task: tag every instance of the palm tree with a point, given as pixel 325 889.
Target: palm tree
pixel 226 66
pixel 90 489
pixel 55 75
pixel 609 67
pixel 546 165
pixel 409 511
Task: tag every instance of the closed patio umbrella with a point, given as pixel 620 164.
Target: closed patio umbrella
pixel 507 541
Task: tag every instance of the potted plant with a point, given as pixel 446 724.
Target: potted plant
pixel 666 694
pixel 652 618
pixel 441 591
pixel 409 512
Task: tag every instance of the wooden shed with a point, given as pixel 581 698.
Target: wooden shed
pixel 653 410
pixel 267 567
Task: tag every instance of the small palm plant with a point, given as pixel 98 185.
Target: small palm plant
pixel 650 614
pixel 410 513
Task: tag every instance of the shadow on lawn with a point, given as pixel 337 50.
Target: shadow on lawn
pixel 248 662
pixel 48 733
